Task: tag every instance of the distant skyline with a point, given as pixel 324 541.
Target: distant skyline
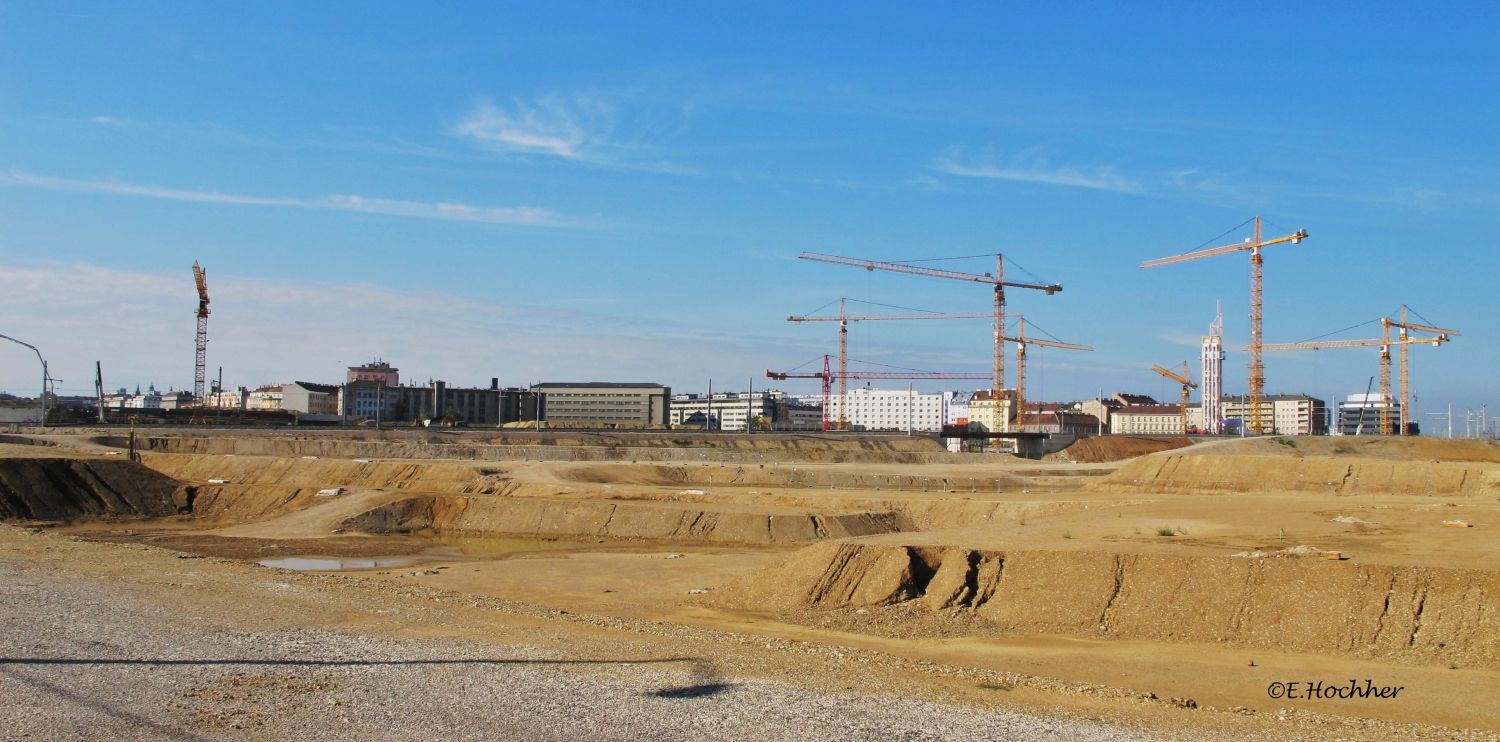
pixel 619 192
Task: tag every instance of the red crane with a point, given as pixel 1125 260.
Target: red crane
pixel 826 376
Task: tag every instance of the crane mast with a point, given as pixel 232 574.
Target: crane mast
pixel 844 318
pixel 1021 342
pixel 1254 246
pixel 200 278
pixel 1404 341
pixel 827 376
pixel 997 279
pixel 1186 383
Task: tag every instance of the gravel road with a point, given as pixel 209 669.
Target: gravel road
pixel 84 659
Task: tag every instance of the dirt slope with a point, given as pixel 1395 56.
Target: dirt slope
pixel 64 489
pixel 1416 615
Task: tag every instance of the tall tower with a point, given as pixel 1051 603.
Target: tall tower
pixel 1213 375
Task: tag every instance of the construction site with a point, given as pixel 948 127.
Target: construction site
pixel 1123 588
pixel 1034 581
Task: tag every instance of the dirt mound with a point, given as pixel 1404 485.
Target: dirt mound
pixel 1418 615
pixel 1391 448
pixel 623 520
pixel 1101 449
pixel 1217 473
pixel 65 489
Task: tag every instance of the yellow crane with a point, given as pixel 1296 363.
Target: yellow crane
pixel 845 318
pixel 1186 385
pixel 1021 342
pixel 1384 342
pixel 1404 325
pixel 201 342
pixel 997 279
pixel 1253 245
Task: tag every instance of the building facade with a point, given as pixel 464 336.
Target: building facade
pixel 1359 414
pixel 373 400
pixel 378 371
pixel 727 410
pixel 1150 419
pixel 604 403
pixel 308 398
pixel 1211 415
pixel 1290 414
pixel 885 409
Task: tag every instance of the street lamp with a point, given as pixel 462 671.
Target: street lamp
pixel 44 374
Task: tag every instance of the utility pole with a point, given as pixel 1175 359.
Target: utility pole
pixel 99 388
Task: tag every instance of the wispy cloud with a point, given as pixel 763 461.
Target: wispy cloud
pixel 445 211
pixel 582 128
pixel 573 128
pixel 1031 166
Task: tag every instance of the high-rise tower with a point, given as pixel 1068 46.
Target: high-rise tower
pixel 1213 375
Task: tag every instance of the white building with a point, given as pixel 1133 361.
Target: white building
pixel 726 410
pixel 1360 415
pixel 1155 419
pixel 956 407
pixel 886 409
pixel 1211 415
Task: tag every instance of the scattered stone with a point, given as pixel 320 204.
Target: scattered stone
pixel 676 556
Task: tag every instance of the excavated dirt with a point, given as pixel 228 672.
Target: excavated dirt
pixel 1330 475
pixel 489 446
pixel 48 489
pixel 630 520
pixel 1406 614
pixel 1319 554
pixel 1115 448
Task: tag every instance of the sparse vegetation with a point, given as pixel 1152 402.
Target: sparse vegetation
pixel 1285 442
pixel 1165 531
pixel 996 686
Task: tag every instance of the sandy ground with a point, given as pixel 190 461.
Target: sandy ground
pixel 583 596
pixel 140 643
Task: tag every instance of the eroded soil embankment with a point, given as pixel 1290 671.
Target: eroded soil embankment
pixel 1324 475
pixel 1417 615
pixel 893 449
pixel 627 520
pixel 67 489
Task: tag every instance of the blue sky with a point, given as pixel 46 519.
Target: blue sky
pixel 619 191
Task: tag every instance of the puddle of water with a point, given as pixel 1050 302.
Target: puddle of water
pixel 327 564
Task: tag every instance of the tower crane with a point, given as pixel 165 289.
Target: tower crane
pixel 1253 245
pixel 826 376
pixel 201 344
pixel 997 279
pixel 844 319
pixel 1186 385
pixel 1021 342
pixel 1384 342
pixel 1404 325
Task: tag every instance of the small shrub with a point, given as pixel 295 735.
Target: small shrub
pixel 1067 534
pixel 996 686
pixel 1165 531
